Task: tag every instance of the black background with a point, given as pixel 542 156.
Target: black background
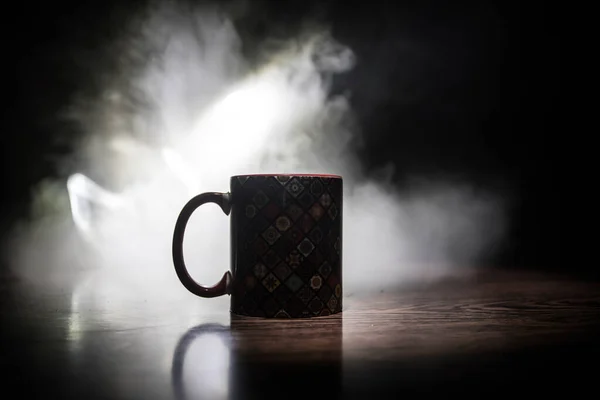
pixel 463 89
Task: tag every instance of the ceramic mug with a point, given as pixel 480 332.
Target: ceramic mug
pixel 286 245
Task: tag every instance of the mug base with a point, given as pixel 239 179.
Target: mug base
pixel 284 315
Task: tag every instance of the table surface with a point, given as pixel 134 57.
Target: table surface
pixel 482 335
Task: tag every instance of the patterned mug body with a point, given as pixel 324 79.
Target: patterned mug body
pixel 286 245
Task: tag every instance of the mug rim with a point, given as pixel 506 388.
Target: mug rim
pixel 331 176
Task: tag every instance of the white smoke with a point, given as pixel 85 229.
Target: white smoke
pixel 193 114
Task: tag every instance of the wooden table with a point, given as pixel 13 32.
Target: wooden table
pixel 482 336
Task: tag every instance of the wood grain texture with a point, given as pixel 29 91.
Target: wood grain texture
pixel 497 329
pixel 465 317
pixel 471 316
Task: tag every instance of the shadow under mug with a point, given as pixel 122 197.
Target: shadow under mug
pixel 286 245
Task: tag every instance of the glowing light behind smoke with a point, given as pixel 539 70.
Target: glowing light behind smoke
pixel 256 116
pixel 83 193
pixel 178 167
pixel 229 136
pixel 214 121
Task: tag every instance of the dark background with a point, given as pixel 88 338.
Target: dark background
pixel 464 89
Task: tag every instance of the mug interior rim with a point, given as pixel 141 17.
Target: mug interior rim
pixel 333 176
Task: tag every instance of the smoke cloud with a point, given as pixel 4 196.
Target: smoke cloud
pixel 186 110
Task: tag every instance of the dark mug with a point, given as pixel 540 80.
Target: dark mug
pixel 286 245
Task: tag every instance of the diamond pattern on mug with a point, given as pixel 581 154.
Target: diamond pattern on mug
pixel 260 270
pixel 316 235
pixel 332 303
pixel 282 314
pixel 256 226
pixel 315 305
pixel 283 223
pixel 250 211
pixel 325 200
pixel 271 259
pixel 294 283
pixel 315 258
pixel 306 247
pixel 306 200
pixel 260 199
pixel 335 190
pixel 333 280
pixel 242 180
pixel 270 282
pixel 316 282
pixel 305 270
pixel 294 187
pixel 306 294
pixel 271 235
pixel 325 293
pixel 328 237
pixel 306 223
pixel 324 312
pixel 295 235
pixel 284 246
pixel 316 211
pixel 333 211
pixel 338 290
pixel 287 239
pixel 282 271
pixel 316 188
pixel 294 211
pixel 294 259
pixel 325 269
pixel 282 179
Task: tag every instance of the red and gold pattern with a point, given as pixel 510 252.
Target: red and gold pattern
pixel 286 245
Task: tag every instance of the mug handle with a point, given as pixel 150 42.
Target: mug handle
pixel 224 285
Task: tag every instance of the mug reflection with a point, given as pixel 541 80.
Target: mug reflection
pixel 260 358
pixel 200 368
pixel 125 333
pixel 290 358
